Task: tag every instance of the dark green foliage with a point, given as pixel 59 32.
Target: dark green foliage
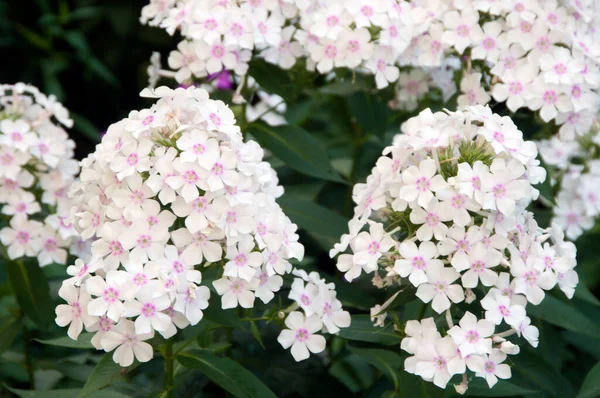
pixel 93 54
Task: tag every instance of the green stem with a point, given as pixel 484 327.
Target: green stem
pixel 169 368
pixel 26 352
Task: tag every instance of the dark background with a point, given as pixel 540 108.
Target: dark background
pixel 92 54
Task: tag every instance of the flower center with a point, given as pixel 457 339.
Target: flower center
pixel 422 184
pixel 560 69
pixel 302 335
pixel 144 241
pixel 140 279
pixel 330 51
pixel 489 367
pixel 419 262
pixel 240 260
pixel 478 266
pixel 489 43
pixel 462 30
pixel 374 247
pixel 472 336
pixel 515 87
pixel 22 237
pixel 50 245
pixel 439 362
pixel 499 191
pixel 111 295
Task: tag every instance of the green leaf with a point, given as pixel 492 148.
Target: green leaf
pixel 82 13
pixel 297 148
pixel 565 315
pixel 223 317
pixel 256 333
pixel 352 371
pixel 388 362
pixel 34 38
pixel 362 329
pixel 343 88
pixel 317 220
pixel 541 374
pixel 9 329
pixel 101 70
pixel 65 393
pixel 83 342
pixel 478 387
pixel 227 373
pixel 85 127
pixel 372 115
pixel 584 294
pixel 591 384
pixel 30 287
pixel 103 374
pixel 272 78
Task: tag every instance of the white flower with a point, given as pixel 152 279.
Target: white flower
pixel 503 186
pixel 416 261
pixel 235 291
pixel 499 308
pixel 420 183
pixel 472 335
pixel 462 28
pixel 473 92
pixel 530 281
pixel 243 262
pixel 301 335
pixel 127 342
pixel 267 285
pixel 515 87
pixel 439 289
pixel 490 367
pixel 560 67
pixel 22 237
pixel 369 247
pixel 191 300
pixel 109 294
pixel 75 312
pixel 438 362
pixel 478 264
pixel 304 295
pixel 491 44
pixel 549 99
pixel 431 218
pixel 149 306
pixel 329 308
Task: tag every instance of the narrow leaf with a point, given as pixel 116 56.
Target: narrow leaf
pixel 315 219
pixel 256 333
pixel 227 373
pixel 297 148
pixel 591 384
pixel 478 387
pixel 30 287
pixel 65 393
pixel 388 362
pixel 272 78
pixel 103 374
pixel 83 342
pixel 9 329
pixel 565 315
pixel 362 329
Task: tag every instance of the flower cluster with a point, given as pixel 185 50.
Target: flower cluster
pixel 443 212
pixel 542 55
pixel 171 193
pixel 37 168
pixel 574 164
